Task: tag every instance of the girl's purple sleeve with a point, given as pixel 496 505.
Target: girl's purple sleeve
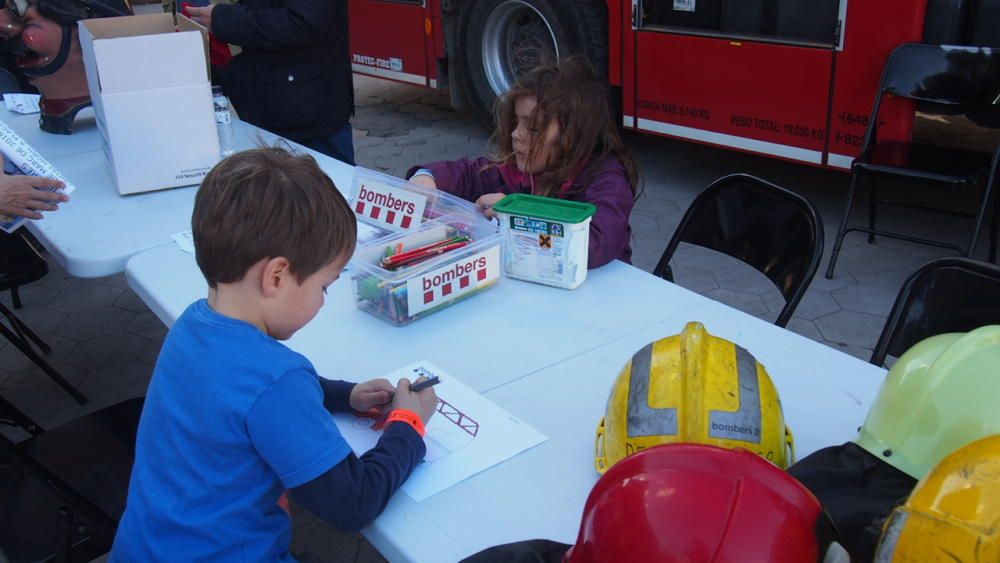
pixel 610 233
pixel 465 178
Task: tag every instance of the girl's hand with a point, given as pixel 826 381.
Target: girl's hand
pixel 424 180
pixel 485 204
pixel 373 397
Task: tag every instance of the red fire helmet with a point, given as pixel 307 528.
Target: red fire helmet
pixel 699 503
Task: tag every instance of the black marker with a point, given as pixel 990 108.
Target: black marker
pixel 420 386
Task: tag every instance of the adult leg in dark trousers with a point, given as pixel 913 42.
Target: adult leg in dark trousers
pixel 339 144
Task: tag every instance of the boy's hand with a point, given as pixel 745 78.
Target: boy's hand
pixel 423 403
pixel 372 396
pixel 485 204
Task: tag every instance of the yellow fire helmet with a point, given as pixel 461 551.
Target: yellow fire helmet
pixel 939 396
pixel 953 514
pixel 693 388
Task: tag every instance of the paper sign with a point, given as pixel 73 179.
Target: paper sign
pixel 452 280
pixel 466 435
pixel 22 103
pixel 387 206
pixel 684 5
pixel 21 158
pixel 185 240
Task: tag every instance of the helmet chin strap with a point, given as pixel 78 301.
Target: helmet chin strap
pixel 58 62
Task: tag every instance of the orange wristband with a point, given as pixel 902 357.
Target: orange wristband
pixel 409 417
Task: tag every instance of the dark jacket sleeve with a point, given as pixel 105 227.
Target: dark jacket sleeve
pixel 610 233
pixel 296 24
pixel 336 394
pixel 354 492
pixel 465 178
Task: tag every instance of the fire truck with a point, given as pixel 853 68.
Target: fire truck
pixel 790 79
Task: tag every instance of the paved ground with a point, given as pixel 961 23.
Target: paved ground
pixel 106 341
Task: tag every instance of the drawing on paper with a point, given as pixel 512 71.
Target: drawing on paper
pixel 448 431
pixel 466 435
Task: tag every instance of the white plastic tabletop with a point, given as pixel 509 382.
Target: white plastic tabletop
pixel 85 136
pixel 559 387
pixel 98 230
pixel 541 492
pixel 493 338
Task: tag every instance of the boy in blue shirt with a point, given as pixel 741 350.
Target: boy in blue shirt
pixel 233 418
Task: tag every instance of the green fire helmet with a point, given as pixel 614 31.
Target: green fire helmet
pixel 942 394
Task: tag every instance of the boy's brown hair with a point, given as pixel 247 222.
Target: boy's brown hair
pixel 265 203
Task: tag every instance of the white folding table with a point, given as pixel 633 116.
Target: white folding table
pixel 98 230
pixel 491 342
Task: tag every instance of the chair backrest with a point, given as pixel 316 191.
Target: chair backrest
pixel 77 471
pixel 940 74
pixel 44 518
pixel 777 232
pixel 20 263
pixel 945 295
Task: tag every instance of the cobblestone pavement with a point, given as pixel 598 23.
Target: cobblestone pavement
pixel 105 340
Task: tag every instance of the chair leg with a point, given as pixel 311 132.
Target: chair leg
pixel 11 414
pixel 838 241
pixel 977 227
pixel 872 209
pixel 995 229
pixel 23 330
pixel 15 296
pixel 64 552
pixel 26 349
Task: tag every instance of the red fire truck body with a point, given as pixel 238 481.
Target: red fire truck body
pixel 791 79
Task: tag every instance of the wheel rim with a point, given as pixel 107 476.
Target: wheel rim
pixel 514 41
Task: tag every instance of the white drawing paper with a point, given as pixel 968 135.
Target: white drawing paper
pixel 22 103
pixel 20 158
pixel 466 435
pixel 185 240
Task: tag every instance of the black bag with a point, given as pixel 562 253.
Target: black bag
pixel 858 490
pixel 530 551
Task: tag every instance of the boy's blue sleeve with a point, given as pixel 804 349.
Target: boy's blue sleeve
pixel 290 428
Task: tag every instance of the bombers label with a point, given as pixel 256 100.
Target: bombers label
pixel 735 429
pixel 453 280
pixel 379 202
pixel 457 271
pixel 386 200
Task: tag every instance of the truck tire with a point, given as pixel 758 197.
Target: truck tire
pixel 499 40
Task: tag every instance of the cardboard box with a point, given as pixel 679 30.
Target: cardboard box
pixel 152 98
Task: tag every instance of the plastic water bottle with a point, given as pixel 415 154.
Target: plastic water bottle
pixel 223 121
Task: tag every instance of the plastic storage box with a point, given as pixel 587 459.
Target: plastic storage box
pixel 546 240
pixel 412 292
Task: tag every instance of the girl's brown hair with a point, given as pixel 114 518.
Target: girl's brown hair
pixel 576 97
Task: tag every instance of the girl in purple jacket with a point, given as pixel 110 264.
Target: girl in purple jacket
pixel 555 137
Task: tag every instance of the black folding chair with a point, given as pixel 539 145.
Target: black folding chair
pixel 21 264
pixel 945 295
pixel 940 80
pixel 62 491
pixel 777 232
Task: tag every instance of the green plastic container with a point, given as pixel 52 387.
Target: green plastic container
pixel 546 239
